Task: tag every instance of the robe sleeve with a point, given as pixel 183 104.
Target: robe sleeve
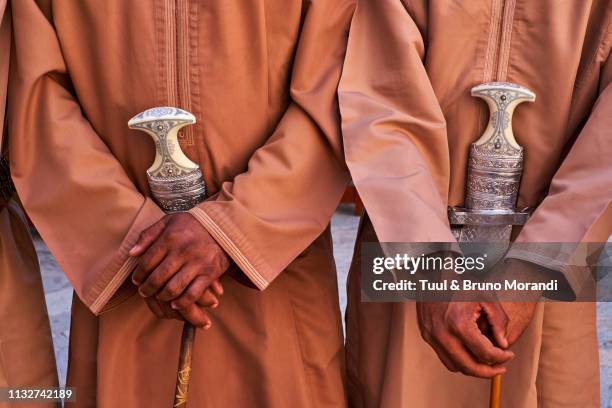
pixel 579 195
pixel 394 131
pixel 63 171
pixel 265 217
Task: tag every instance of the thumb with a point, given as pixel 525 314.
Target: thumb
pixel 147 237
pixel 498 322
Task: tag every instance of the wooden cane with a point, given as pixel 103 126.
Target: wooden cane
pixel 495 395
pixel 495 389
pixel 184 368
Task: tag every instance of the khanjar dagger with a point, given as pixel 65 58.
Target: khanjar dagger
pixel 176 185
pixel 495 167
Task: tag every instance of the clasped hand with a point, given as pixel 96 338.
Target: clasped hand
pixel 178 269
pixel 474 337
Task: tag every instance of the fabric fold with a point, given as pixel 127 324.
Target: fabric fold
pixel 394 132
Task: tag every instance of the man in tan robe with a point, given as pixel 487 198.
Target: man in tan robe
pixel 26 347
pixel 261 79
pixel 408 121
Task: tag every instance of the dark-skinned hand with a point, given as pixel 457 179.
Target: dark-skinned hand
pixel 453 330
pixel 473 337
pixel 178 269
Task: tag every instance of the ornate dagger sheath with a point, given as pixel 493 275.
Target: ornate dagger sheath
pixel 176 185
pixel 494 171
pixel 495 167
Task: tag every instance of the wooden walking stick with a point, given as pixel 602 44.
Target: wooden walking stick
pixel 495 395
pixel 495 386
pixel 176 185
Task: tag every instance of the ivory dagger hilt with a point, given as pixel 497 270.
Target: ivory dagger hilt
pixel 496 159
pixel 176 182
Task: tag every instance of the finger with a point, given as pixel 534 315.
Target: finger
pixel 480 346
pixel 160 276
pixel 464 361
pixel 498 321
pixel 154 307
pixel 216 287
pixel 196 316
pixel 190 296
pixel 208 299
pixel 179 282
pixel 147 237
pixel 169 313
pixel 148 261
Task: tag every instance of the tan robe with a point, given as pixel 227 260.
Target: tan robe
pixel 261 78
pixel 26 347
pixel 408 121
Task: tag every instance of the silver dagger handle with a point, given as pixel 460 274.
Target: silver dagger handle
pixel 495 167
pixel 496 159
pixel 176 182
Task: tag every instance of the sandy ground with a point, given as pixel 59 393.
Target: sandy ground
pixel 344 226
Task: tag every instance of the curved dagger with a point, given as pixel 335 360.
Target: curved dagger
pixel 495 166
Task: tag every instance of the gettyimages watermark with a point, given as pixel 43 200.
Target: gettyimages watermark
pixel 396 272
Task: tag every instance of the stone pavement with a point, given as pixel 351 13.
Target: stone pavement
pixel 344 226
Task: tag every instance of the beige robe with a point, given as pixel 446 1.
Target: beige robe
pixel 261 79
pixel 26 346
pixel 408 121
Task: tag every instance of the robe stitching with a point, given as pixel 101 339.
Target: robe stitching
pixel 127 267
pixel 230 247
